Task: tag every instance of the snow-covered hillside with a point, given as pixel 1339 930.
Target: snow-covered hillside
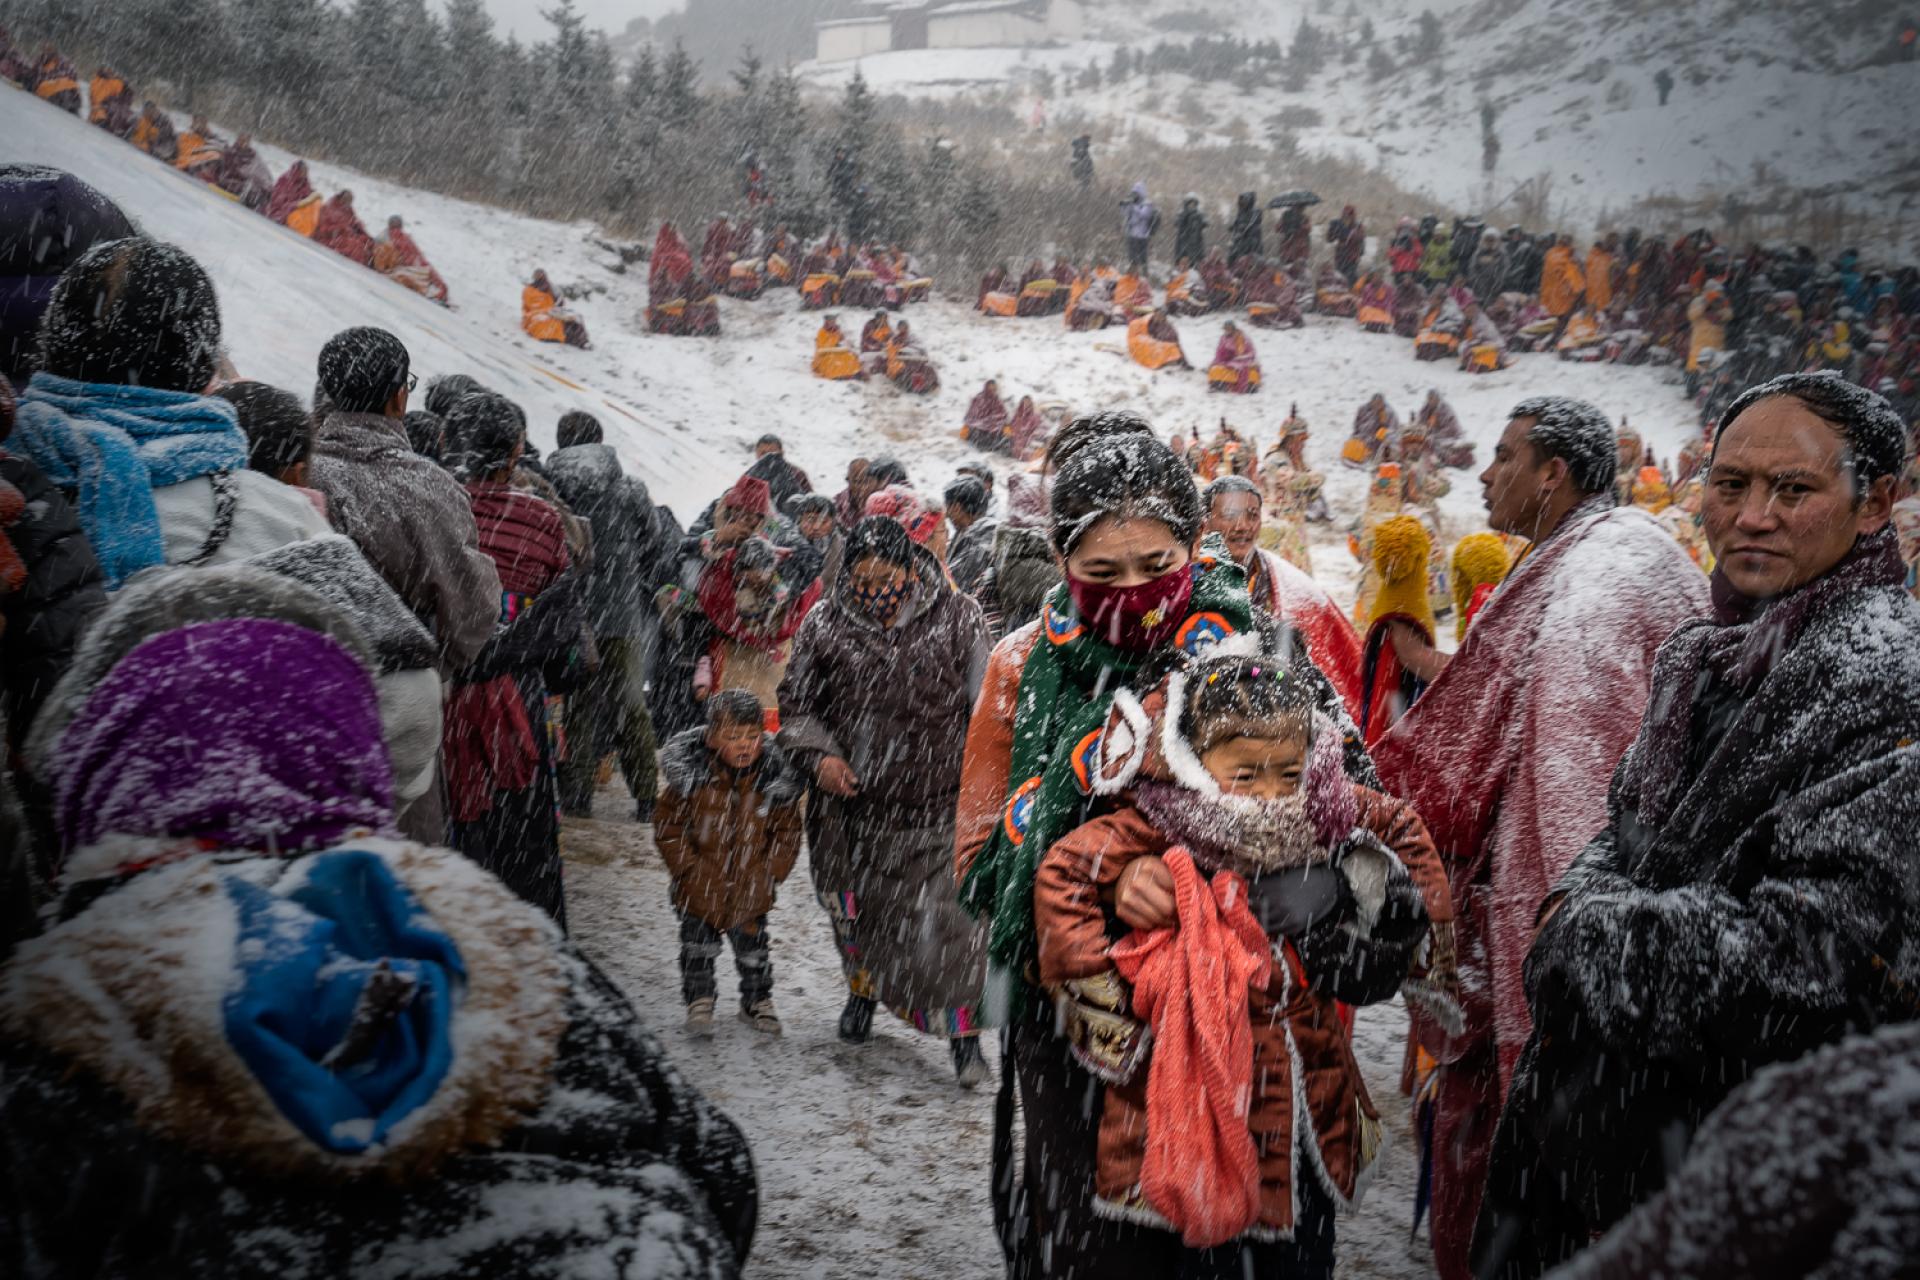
pixel 685 411
pixel 1770 99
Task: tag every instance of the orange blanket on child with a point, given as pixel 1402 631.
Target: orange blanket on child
pixel 1191 984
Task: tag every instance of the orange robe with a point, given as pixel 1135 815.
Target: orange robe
pixel 832 359
pixel 1149 349
pixel 1599 279
pixel 1560 280
pixel 537 318
pixel 100 91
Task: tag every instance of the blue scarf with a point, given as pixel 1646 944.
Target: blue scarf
pixel 112 446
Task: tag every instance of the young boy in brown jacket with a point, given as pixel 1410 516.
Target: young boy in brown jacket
pixel 728 828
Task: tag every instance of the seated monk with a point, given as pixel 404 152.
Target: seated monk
pixel 110 102
pixel 782 265
pixel 544 319
pixel 1409 304
pixel 57 82
pixel 716 254
pixel 832 358
pixel 153 133
pixel 1037 288
pixel 1132 295
pixel 1027 431
pixel 1223 286
pixel 860 285
pixel 1153 342
pixel 876 334
pixel 914 286
pixel 1064 275
pixel 1332 296
pixel 1376 304
pixel 994 280
pixel 908 366
pixel 998 296
pixel 396 256
pixel 1235 368
pixel 746 278
pixel 669 282
pixel 819 280
pixel 339 229
pixel 986 422
pixel 289 192
pixel 703 310
pixel 1583 337
pixel 198 150
pixel 1440 329
pixel 1090 303
pixel 1273 300
pixel 1186 292
pixel 243 175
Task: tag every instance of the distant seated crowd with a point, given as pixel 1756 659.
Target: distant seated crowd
pixel 233 168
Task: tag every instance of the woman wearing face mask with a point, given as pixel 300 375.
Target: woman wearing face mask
pixel 875 704
pixel 1125 527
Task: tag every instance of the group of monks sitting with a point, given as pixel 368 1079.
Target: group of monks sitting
pixel 887 348
pixel 859 277
pixel 680 298
pixel 1103 295
pixel 988 425
pixel 234 169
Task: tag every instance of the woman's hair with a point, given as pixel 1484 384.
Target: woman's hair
pixel 1258 696
pixel 882 537
pixel 576 428
pixel 1112 464
pixel 426 433
pixel 489 428
pixel 133 312
pixel 734 709
pixel 447 390
pixel 279 432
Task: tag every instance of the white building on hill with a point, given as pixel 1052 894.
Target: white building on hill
pixel 887 25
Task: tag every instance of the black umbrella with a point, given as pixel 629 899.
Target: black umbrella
pixel 1293 200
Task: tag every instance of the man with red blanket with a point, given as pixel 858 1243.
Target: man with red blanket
pixel 1508 753
pixel 1234 508
pixel 398 256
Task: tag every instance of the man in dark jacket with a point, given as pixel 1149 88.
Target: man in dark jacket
pixel 1749 898
pixel 610 711
pixel 968 510
pixel 1190 231
pixel 1247 219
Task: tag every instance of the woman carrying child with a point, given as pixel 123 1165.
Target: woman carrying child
pixel 1140 594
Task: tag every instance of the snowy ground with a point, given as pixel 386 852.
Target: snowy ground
pixel 684 412
pixel 872 1162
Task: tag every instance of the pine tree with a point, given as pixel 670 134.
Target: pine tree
pixel 1121 66
pixel 370 39
pixel 679 87
pixel 189 37
pixel 1431 38
pixel 858 111
pixel 746 76
pixel 643 86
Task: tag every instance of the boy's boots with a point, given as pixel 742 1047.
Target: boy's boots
pixel 856 1020
pixel 700 1017
pixel 761 1017
pixel 969 1063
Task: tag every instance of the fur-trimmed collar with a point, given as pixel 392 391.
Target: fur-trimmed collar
pixel 687 765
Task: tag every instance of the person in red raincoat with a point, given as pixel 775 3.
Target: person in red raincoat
pixel 340 230
pixel 1508 753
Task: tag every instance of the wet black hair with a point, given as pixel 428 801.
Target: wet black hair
pixel 426 433
pixel 1576 433
pixel 1225 485
pixel 885 470
pixel 1112 464
pixel 577 428
pixel 733 709
pixel 1250 696
pixel 445 391
pixel 133 312
pixel 362 369
pixel 968 494
pixel 1877 443
pixel 279 431
pixel 879 536
pixel 489 428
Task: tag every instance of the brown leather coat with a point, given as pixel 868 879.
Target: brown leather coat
pixel 729 837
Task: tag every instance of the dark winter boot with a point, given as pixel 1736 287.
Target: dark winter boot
pixel 856 1020
pixel 969 1064
pixel 643 810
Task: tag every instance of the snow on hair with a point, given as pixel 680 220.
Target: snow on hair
pixel 1575 432
pixel 1112 464
pixel 1876 437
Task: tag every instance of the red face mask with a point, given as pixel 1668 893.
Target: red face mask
pixel 1136 618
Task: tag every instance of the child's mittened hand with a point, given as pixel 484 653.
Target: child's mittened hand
pixel 1143 895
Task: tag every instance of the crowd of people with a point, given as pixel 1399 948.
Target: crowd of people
pixel 297 691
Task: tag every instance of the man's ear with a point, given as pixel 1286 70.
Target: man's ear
pixel 1876 506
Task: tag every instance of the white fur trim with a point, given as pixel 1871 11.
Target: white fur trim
pixel 1241 644
pixel 1132 754
pixel 1181 760
pixel 1363 1175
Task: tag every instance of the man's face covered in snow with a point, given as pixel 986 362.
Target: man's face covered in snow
pixel 1781 506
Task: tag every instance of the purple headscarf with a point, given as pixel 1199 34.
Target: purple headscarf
pixel 242 733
